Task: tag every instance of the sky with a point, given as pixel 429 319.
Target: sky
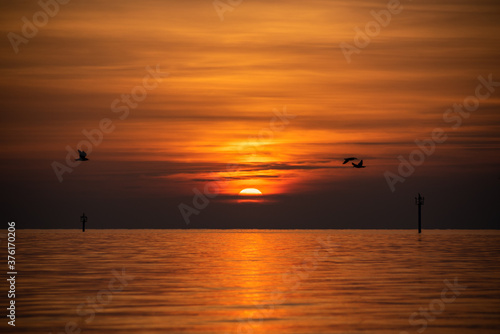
pixel 186 103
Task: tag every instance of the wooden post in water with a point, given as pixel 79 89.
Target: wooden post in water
pixel 419 201
pixel 83 219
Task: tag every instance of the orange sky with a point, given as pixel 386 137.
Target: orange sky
pixel 226 78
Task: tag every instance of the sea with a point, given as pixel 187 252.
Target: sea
pixel 253 281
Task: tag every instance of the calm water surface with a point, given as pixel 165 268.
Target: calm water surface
pixel 256 281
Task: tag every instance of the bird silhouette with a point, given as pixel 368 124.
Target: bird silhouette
pixel 346 160
pixel 82 156
pixel 360 165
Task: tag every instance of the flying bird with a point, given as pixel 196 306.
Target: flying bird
pixel 82 156
pixel 346 160
pixel 360 165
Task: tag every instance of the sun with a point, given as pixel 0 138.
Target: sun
pixel 250 192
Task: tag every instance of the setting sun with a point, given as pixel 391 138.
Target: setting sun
pixel 250 192
pixel 139 134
